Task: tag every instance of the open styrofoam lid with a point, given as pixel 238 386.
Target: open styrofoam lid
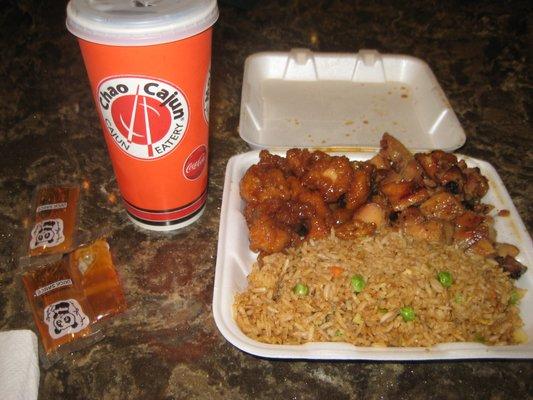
pixel 139 22
pixel 343 100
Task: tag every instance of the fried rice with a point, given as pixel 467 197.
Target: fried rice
pixel 399 273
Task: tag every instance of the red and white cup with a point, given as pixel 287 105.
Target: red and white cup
pixel 148 63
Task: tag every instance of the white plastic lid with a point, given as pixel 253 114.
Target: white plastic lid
pixel 139 22
pixel 344 101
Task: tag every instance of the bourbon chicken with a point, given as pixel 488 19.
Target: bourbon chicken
pixel 430 196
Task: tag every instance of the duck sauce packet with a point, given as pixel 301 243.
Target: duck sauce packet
pixel 99 279
pixel 53 223
pixel 70 297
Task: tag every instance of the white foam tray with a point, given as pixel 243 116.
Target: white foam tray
pixel 234 263
pixel 338 100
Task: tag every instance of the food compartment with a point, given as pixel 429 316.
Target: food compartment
pixel 235 260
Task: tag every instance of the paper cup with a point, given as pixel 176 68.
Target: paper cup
pixel 149 69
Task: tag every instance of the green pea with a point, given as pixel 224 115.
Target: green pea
pixel 300 289
pixel 407 313
pixel 445 278
pixel 514 298
pixel 479 338
pixel 358 283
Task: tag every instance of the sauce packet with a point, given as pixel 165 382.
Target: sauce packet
pixel 70 297
pixel 60 308
pixel 53 222
pixel 99 279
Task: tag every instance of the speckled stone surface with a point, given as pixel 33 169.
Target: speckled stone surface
pixel 167 345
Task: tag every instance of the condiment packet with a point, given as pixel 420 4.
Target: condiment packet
pixel 70 297
pixel 99 279
pixel 60 308
pixel 52 229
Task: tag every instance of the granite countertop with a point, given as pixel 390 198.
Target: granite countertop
pixel 167 345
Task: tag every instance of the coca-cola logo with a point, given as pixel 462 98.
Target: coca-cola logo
pixel 145 117
pixel 195 164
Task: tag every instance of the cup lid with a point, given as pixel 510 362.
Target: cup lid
pixel 139 22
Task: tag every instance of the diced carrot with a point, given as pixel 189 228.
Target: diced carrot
pixel 336 271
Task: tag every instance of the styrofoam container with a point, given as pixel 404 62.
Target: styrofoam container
pixel 235 260
pixel 337 100
pixel 342 102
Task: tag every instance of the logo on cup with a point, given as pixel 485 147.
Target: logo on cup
pixel 195 164
pixel 146 117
